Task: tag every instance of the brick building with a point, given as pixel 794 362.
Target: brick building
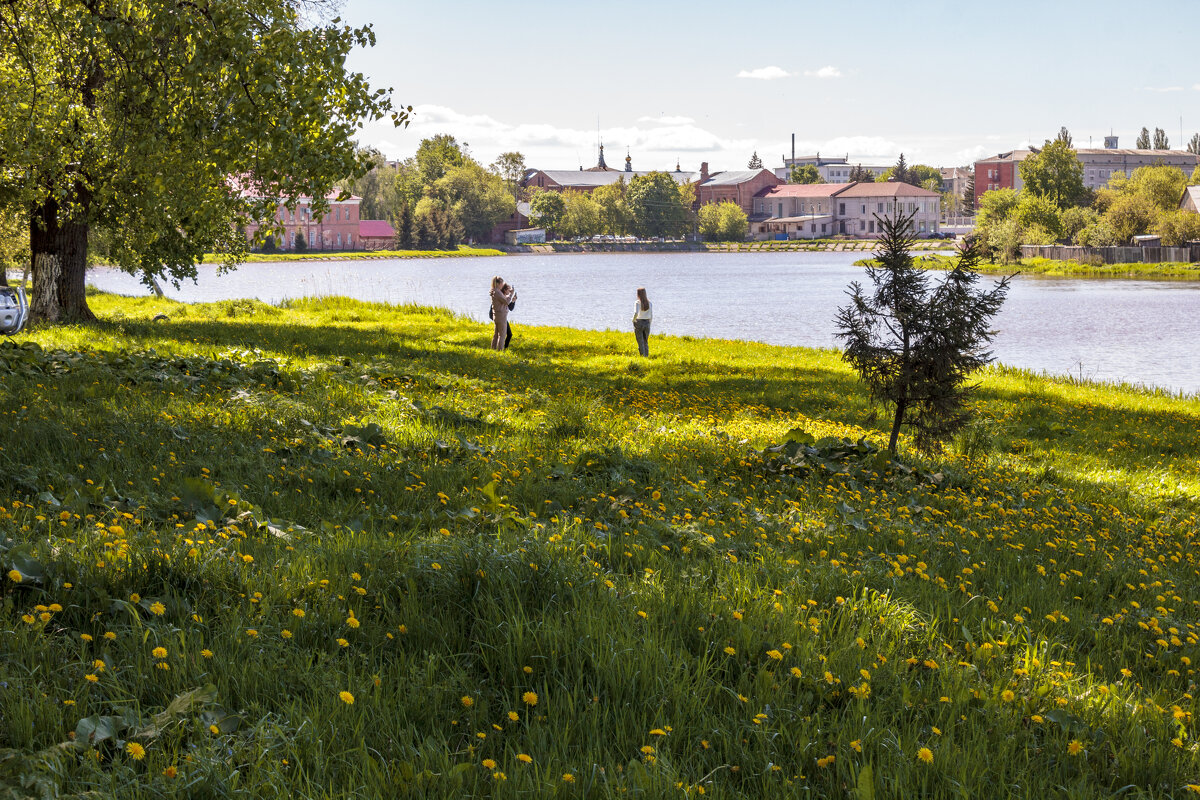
pixel 738 186
pixel 375 234
pixel 809 211
pixel 336 230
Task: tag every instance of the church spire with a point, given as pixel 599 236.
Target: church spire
pixel 600 164
pixel 628 161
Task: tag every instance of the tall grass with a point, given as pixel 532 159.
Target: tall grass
pixel 382 560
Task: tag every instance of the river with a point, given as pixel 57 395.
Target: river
pixel 1138 331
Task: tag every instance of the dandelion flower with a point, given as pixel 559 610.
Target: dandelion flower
pixel 530 698
pixel 206 653
pixel 91 678
pixel 158 609
pixel 488 763
pixel 513 716
pixel 568 777
pixel 135 750
pixel 170 772
pixel 775 655
pixel 524 758
pixel 352 621
pixel 297 612
pixel 1075 747
pixel 14 576
pixel 925 754
pixel 468 701
pixel 347 698
pixel 1007 695
pixel 159 652
pixel 214 730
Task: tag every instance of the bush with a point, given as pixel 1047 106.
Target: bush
pixel 723 222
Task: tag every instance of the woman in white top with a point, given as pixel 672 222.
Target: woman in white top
pixel 642 315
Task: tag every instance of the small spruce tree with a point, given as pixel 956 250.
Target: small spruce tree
pixel 900 171
pixel 915 345
pixel 968 198
pixel 404 237
pixel 755 162
pixel 298 242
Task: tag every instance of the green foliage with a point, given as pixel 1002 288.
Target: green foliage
pixel 615 216
pixel 1143 140
pixel 404 227
pixel 511 169
pixel 1178 227
pixel 755 162
pixel 581 215
pixel 476 198
pixel 723 222
pixel 1038 211
pixel 299 243
pixel 1130 214
pixel 658 205
pixel 916 347
pixel 1160 140
pixel 1160 185
pixel 1075 219
pixel 804 173
pixel 1055 172
pixel 1194 180
pixel 546 209
pixel 133 118
pixel 1002 239
pixel 860 174
pixel 436 156
pixel 14 240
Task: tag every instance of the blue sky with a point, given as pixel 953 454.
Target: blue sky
pixel 944 82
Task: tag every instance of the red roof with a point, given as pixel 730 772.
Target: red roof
pixel 375 229
pixel 802 190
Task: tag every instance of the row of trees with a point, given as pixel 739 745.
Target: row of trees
pixel 650 205
pixel 441 195
pixel 1055 206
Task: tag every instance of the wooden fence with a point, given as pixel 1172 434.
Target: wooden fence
pixel 1114 255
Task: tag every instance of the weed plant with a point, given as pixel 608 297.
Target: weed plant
pixel 340 550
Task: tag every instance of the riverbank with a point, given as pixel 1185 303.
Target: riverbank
pixel 333 548
pixel 462 251
pixel 791 246
pixel 1045 266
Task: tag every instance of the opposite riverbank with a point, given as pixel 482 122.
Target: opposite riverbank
pixel 333 548
pixel 1051 267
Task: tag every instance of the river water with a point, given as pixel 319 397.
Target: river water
pixel 1138 331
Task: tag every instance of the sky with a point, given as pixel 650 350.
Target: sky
pixel 686 82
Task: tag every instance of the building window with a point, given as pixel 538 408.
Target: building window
pixel 339 240
pixel 841 208
pixel 312 239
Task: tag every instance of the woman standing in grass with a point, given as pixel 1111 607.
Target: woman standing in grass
pixel 641 322
pixel 502 296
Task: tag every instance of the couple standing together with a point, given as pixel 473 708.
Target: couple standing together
pixel 504 299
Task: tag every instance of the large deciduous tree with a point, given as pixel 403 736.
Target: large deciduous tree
pixel 915 346
pixel 804 173
pixel 1055 172
pixel 1161 142
pixel 168 123
pixel 658 206
pixel 1143 140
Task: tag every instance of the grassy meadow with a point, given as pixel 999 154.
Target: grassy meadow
pixel 1053 267
pixel 339 550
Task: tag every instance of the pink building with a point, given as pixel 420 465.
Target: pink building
pixel 337 230
pixel 375 234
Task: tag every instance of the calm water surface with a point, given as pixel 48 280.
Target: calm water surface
pixel 1139 331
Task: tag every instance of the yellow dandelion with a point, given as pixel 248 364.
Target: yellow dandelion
pixel 513 716
pixel 352 621
pixel 91 678
pixel 158 609
pixel 297 612
pixel 530 698
pixel 568 777
pixel 206 653
pixel 87 637
pixel 214 730
pixel 1075 747
pixel 159 652
pixel 1007 695
pixel 775 655
pixel 925 754
pixel 524 758
pixel 346 698
pixel 15 576
pixel 170 772
pixel 135 750
pixel 467 700
pixel 488 763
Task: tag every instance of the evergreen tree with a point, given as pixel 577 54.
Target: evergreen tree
pixel 1193 146
pixel 299 244
pixel 860 174
pixel 1064 136
pixel 755 162
pixel 1143 140
pixel 900 171
pixel 915 347
pixel 425 232
pixel 1160 140
pixel 405 233
pixel 968 197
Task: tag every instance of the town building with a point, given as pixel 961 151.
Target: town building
pixel 1002 171
pixel 375 234
pixel 336 230
pixel 592 178
pixel 809 211
pixel 1191 199
pixel 832 169
pixel 738 186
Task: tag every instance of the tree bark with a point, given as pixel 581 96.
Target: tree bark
pixel 897 421
pixel 58 252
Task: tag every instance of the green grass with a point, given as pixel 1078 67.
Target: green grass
pixel 360 255
pixel 1047 266
pixel 343 497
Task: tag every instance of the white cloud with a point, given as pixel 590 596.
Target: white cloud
pixel 653 143
pixel 970 155
pixel 765 73
pixel 829 71
pixel 1167 88
pixel 668 120
pixel 1196 86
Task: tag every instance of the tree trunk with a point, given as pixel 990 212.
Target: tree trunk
pixel 897 421
pixel 58 251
